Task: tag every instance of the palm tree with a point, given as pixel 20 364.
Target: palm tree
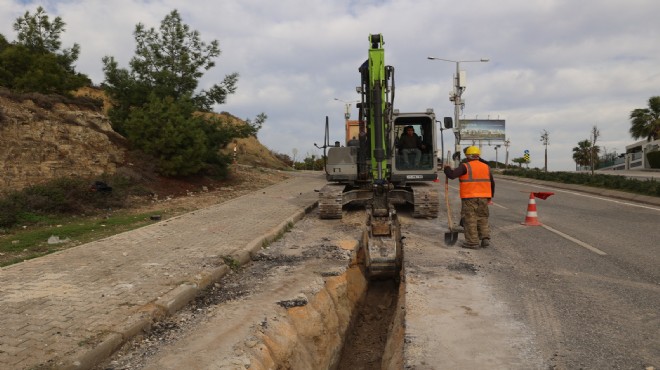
pixel 645 122
pixel 583 153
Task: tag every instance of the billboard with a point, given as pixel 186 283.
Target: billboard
pixel 482 129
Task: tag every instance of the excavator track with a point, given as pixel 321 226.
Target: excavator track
pixel 426 201
pixel 330 201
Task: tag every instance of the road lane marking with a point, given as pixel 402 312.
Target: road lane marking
pixel 576 241
pixel 586 195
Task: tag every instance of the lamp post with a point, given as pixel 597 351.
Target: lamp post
pixel 496 160
pixel 347 115
pixel 347 104
pixel 459 87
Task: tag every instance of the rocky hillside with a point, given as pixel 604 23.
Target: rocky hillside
pixel 44 137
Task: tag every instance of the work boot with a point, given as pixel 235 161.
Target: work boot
pixel 485 242
pixel 469 246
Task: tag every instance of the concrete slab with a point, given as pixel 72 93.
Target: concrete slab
pixel 452 320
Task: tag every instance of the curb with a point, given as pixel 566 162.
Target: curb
pixel 169 303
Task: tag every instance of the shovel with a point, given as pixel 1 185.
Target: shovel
pixel 451 236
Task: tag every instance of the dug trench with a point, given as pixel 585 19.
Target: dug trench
pixel 303 302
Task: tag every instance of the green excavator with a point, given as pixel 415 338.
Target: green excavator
pixel 377 170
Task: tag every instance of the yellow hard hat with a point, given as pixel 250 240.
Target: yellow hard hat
pixel 472 150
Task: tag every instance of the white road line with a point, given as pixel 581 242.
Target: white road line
pixel 578 242
pixel 586 195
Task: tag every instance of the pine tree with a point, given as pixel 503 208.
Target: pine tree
pixel 156 101
pixel 35 62
pixel 167 130
pixel 169 63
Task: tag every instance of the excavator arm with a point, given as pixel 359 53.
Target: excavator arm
pixel 382 235
pixel 376 107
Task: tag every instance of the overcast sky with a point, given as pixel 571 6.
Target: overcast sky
pixel 559 65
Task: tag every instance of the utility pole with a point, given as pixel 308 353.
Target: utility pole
pixel 455 97
pixel 545 139
pixel 496 160
pixel 507 143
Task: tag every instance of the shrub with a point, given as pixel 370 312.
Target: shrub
pixel 63 196
pixel 646 187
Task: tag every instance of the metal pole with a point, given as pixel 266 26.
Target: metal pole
pixel 442 146
pixel 456 97
pixel 457 112
pixel 347 116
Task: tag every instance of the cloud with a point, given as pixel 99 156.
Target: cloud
pixel 557 65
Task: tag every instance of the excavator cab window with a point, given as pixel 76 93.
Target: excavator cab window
pixel 413 141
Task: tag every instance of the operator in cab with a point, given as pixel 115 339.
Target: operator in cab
pixel 477 187
pixel 410 143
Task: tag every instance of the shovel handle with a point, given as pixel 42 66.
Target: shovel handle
pixel 450 223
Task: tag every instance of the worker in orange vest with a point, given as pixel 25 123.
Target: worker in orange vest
pixel 477 187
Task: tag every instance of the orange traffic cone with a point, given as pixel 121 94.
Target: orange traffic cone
pixel 532 217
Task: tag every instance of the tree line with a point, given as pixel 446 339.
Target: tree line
pixel 156 102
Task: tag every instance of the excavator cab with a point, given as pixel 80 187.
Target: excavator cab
pixel 414 153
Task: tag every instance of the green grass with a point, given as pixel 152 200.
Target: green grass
pixel 22 243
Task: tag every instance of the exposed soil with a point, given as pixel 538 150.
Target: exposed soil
pixel 310 248
pixel 184 195
pixel 366 340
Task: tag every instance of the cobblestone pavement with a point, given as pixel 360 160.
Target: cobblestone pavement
pixel 72 309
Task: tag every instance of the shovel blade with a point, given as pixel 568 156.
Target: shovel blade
pixel 451 237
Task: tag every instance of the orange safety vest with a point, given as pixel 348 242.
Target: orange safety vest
pixel 476 182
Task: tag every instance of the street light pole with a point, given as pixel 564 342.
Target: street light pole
pixel 347 105
pixel 347 115
pixel 459 87
pixel 496 160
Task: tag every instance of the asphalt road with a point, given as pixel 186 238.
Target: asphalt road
pixel 587 282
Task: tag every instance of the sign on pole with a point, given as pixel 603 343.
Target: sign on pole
pixel 482 129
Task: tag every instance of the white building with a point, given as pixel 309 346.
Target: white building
pixel 635 157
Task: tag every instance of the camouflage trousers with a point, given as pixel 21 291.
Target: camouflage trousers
pixel 474 212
